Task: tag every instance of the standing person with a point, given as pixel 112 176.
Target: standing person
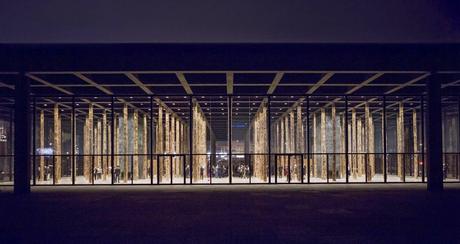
pixel 117 174
pixel 201 172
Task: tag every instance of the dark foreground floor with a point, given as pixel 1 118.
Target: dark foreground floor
pixel 232 214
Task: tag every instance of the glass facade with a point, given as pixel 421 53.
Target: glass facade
pixel 6 140
pixel 226 139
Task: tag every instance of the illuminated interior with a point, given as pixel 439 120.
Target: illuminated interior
pixel 228 127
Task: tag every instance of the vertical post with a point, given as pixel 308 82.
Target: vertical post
pixel 276 168
pixel 289 168
pixel 347 160
pixel 458 138
pixel 151 140
pixel 171 168
pixel 11 121
pixel 327 167
pixel 112 136
pixel 422 150
pixel 269 139
pixel 229 124
pixel 132 169
pixel 434 134
pixel 34 146
pixel 190 137
pixel 22 137
pixel 308 139
pixel 54 169
pixel 158 169
pixel 72 138
pixel 384 139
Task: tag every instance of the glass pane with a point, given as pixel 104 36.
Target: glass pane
pixel 450 137
pixel 210 135
pixel 6 140
pixel 249 138
pixel 404 158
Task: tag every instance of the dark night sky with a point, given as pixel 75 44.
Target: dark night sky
pixel 89 21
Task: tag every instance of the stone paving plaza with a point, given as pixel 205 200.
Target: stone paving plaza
pixel 355 213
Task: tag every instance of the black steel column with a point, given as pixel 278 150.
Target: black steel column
pixel 190 137
pixel 151 141
pixel 269 137
pixel 385 163
pixel 73 137
pixel 347 163
pixel 229 125
pixel 34 146
pixel 458 136
pixel 422 116
pixel 308 139
pixel 112 139
pixel 22 135
pixel 434 134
